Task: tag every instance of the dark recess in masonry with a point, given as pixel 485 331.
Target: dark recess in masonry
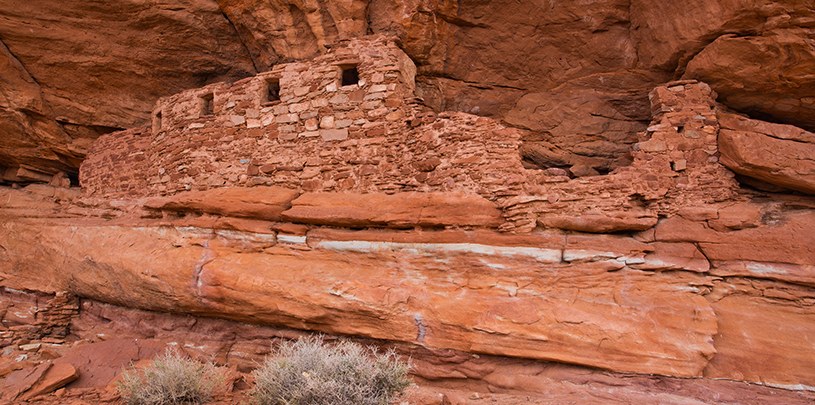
pixel 208 104
pixel 157 122
pixel 350 75
pixel 272 90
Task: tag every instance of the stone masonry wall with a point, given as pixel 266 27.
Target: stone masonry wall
pixel 195 151
pixel 117 163
pixel 371 137
pixel 319 136
pixel 676 166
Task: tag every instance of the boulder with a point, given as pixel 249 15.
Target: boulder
pixel 767 76
pixel 745 146
pixel 45 378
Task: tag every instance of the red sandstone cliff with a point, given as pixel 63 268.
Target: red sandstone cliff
pixel 625 186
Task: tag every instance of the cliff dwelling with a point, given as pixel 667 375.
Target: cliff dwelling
pixel 534 203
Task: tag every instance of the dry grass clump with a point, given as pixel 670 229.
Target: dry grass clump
pixel 171 380
pixel 307 372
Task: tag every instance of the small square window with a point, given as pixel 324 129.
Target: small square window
pixel 350 75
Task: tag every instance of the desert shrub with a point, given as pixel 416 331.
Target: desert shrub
pixel 308 372
pixel 171 380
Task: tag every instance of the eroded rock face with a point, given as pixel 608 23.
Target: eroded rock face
pixel 100 68
pixel 777 154
pixel 286 30
pixel 113 337
pixel 767 76
pixel 761 314
pixel 257 207
pixel 506 268
pixel 396 292
pixel 579 125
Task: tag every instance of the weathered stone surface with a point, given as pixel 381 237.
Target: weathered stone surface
pixel 782 248
pixel 475 57
pixel 28 383
pixel 482 237
pixel 285 30
pixel 26 203
pixel 735 122
pixel 760 326
pixel 599 223
pixel 31 316
pixel 668 34
pixel 463 304
pixel 609 302
pixel 404 210
pixel 484 51
pixel 745 145
pixel 767 76
pixel 674 256
pixel 581 125
pixel 244 345
pixel 101 67
pixel 257 202
pixel 99 363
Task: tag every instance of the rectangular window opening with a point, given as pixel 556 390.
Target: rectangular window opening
pixel 207 105
pixel 157 122
pixel 350 75
pixel 272 92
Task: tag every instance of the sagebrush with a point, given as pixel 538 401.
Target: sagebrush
pixel 309 372
pixel 171 379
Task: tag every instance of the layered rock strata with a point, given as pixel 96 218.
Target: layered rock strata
pixel 320 196
pixel 248 218
pixel 123 336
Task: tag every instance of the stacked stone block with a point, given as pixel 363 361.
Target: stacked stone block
pixel 116 164
pixel 675 165
pixel 318 135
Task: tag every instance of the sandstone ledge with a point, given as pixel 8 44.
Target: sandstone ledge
pixel 592 312
pixel 257 202
pixel 403 210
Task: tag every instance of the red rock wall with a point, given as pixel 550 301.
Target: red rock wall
pixel 710 273
pixel 118 163
pixel 25 315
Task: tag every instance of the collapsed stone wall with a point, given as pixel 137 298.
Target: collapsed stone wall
pixel 371 137
pixel 25 315
pixel 675 166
